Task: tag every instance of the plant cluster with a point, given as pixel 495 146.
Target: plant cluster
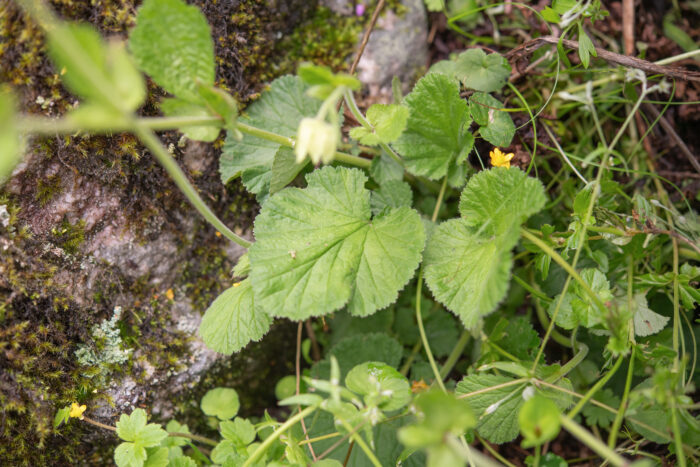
pixel 410 256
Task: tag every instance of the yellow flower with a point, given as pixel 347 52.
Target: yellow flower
pixel 76 411
pixel 499 159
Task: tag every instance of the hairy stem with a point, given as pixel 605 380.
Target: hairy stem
pixel 149 139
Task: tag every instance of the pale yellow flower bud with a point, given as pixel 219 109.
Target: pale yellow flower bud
pixel 317 139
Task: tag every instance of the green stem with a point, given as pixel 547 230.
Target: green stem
pixel 571 364
pixel 361 442
pixel 562 262
pixel 423 336
pixel 357 113
pixel 617 423
pixel 599 384
pixel 680 456
pixel 538 453
pixel 277 433
pixel 66 126
pixel 409 361
pixel 201 439
pixel 455 354
pixel 149 139
pixel 592 442
pixel 494 388
pixel 419 288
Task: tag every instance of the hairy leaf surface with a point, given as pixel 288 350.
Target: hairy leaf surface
pixel 318 249
pixel 437 122
pixel 279 110
pixel 232 321
pixel 468 260
pixel 497 409
pixel 172 44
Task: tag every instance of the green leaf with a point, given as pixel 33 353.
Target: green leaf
pixel 9 138
pixel 324 81
pixel 222 403
pixel 434 5
pixel 539 421
pixel 242 267
pixel 468 260
pixel 439 413
pixel 598 416
pixel 219 103
pixel 226 451
pixel 550 15
pixel 62 416
pixel 380 385
pixel 174 426
pixel 437 124
pixel 519 338
pixel 481 72
pixel 466 272
pixel 562 6
pixel 392 194
pixel 327 463
pixel 360 348
pixel 497 409
pixel 301 399
pixel 172 43
pixel 285 169
pixel 182 461
pixel 585 309
pixel 388 122
pixel 239 431
pixel 585 47
pixel 233 320
pixel 317 249
pixel 157 457
pixel 130 455
pixel 279 110
pixel 384 169
pixel 441 331
pixel 646 321
pixel 498 200
pixel 496 125
pixel 548 460
pixel 181 108
pixel 134 428
pixel 97 72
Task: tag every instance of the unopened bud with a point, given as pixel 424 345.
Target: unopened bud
pixel 317 139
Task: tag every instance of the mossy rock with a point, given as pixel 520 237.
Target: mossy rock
pixel 95 223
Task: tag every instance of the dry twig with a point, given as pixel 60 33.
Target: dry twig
pixel 618 59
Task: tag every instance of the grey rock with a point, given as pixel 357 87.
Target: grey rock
pixel 397 47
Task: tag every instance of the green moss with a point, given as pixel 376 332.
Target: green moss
pixel 326 39
pixel 70 236
pixel 47 189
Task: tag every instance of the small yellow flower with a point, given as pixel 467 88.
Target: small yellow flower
pixel 76 411
pixel 499 159
pixel 170 294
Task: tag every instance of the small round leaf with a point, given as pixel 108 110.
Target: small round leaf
pixel 539 421
pixel 221 402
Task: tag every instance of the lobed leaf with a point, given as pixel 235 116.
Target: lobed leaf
pixel 497 409
pixel 232 320
pixel 318 249
pixel 279 110
pixel 496 125
pixel 468 260
pixel 388 122
pixel 481 72
pixel 437 124
pixel 498 200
